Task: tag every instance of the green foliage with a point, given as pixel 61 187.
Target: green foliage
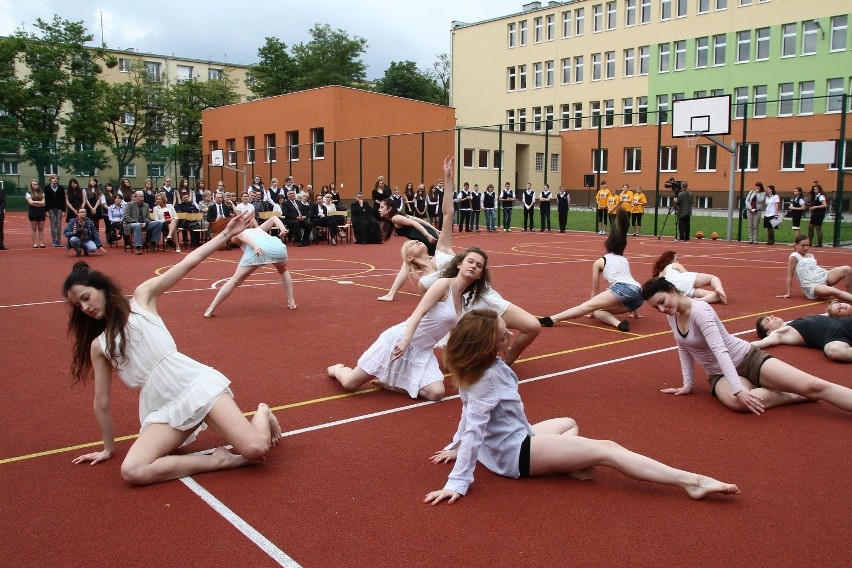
pixel 404 79
pixel 276 71
pixel 441 75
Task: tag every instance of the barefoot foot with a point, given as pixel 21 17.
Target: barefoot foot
pixel 291 305
pixel 385 298
pixel 706 485
pixel 722 296
pixel 208 313
pixel 274 426
pixel 228 460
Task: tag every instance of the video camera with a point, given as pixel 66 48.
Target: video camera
pixel 675 185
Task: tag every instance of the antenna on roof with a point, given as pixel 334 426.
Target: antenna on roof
pixel 103 43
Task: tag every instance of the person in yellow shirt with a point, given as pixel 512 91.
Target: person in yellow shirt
pixel 639 202
pixel 612 203
pixel 602 199
pixel 626 198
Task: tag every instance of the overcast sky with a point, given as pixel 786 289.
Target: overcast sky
pixel 232 31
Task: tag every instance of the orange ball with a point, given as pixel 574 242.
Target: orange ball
pixel 714 235
pixel 699 235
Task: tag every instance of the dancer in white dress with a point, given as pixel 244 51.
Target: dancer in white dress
pixel 178 396
pixel 426 269
pixel 689 283
pixel 494 429
pixel 402 358
pixel 816 282
pixel 259 249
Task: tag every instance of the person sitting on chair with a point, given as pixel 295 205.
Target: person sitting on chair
pixel 296 220
pixel 115 214
pixel 320 217
pixel 138 215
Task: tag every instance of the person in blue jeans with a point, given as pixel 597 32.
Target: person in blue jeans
pixel 489 204
pixel 137 214
pixel 82 234
pixel 507 201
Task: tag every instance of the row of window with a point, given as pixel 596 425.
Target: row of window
pixel 604 17
pixel 709 51
pixel 10 168
pixel 270 149
pixel 473 158
pixel 182 72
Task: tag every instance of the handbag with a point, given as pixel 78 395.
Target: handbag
pixel 744 214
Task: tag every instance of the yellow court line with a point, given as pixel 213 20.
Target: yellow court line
pixel 361 392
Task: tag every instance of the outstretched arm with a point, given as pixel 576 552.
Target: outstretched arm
pixel 147 292
pixel 784 335
pixel 405 220
pixel 398 283
pixel 445 238
pixel 435 293
pixel 791 270
pixel 102 405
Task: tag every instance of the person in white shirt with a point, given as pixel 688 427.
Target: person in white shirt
pixel 165 212
pixel 771 216
pixel 115 215
pixel 494 429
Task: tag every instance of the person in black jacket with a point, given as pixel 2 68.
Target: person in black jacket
pixel 296 220
pixel 2 217
pixel 320 218
pixel 54 202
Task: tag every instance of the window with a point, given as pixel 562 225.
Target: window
pixel 662 108
pixel 250 80
pixel 665 53
pixel 680 8
pixel 629 62
pixel 522 120
pixel 536 119
pixel 743 46
pixel 183 72
pixel 578 69
pixel 510 78
pixel 548 73
pixel 130 170
pixel 835 95
pixel 522 77
pixel 846 147
pixel 788 40
pixel 706 158
pixel 645 12
pixel 749 154
pixel 665 9
pixel 809 37
pixel 550 27
pixel 128 119
pixel 578 115
pixel 538 29
pixel 745 2
pixel 629 13
pixel 467 158
pixel 610 16
pixel 125 65
pixel 270 148
pixel 704 202
pixel 701 45
pixel 719 42
pixel 627 111
pixel 566 24
pixel 740 102
pixel 839 31
pixel 609 72
pixel 721 5
pixel 699 94
pixel 483 158
pixel 539 161
pixel 609 112
pixel 642 109
pixel 215 74
pixel 293 145
pixel 152 69
pixel 510 119
pixel 579 21
pixel 523 32
pixel 318 143
pixel 597 18
pixel 8 168
pixel 554 162
pixel 497 159
pixel 596 113
pixel 511 33
pixel 760 95
pixel 231 150
pixel 680 55
pixel 785 99
pixel 644 60
pixel 596 67
pixel 668 159
pixel 156 170
pixel 548 118
pixel 703 6
pixel 566 70
pixel 791 156
pixel 600 160
pixel 51 169
pixel 761 38
pixel 633 160
pixel 806 97
pixel 537 75
pixel 249 142
pixel 564 117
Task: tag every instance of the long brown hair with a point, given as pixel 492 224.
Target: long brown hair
pixel 84 329
pixel 663 261
pixel 472 347
pixel 475 290
pixel 616 242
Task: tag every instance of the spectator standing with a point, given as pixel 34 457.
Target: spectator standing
pixel 489 204
pixel 476 206
pixel 544 200
pixel 601 199
pixel 465 207
pixel 755 205
pixel 74 199
pixel 528 201
pixel 637 210
pixel 684 211
pixel 54 203
pixel 772 217
pixel 507 202
pixel 819 206
pixel 35 213
pixel 563 202
pixel 797 209
pixel 3 218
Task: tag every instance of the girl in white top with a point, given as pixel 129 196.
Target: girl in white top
pixel 622 296
pixel 424 270
pixel 494 429
pixel 166 213
pixel 817 283
pixel 689 283
pixel 770 216
pixel 753 380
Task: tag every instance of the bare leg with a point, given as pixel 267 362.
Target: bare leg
pixel 559 453
pixel 398 283
pixel 603 301
pixel 824 291
pixel 606 316
pixel 776 374
pixel 838 351
pixel 432 391
pixel 769 396
pixel 564 427
pixel 840 274
pixel 713 282
pixel 287 281
pixel 528 329
pixel 705 296
pixel 350 379
pixel 228 288
pixel 33 233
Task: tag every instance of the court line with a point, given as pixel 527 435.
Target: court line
pixel 241 525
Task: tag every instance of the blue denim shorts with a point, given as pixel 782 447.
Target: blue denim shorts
pixel 628 295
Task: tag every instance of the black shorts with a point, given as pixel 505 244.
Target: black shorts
pixel 524 458
pixel 749 368
pixel 602 216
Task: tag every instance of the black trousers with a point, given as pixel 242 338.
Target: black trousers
pixel 563 220
pixel 683 228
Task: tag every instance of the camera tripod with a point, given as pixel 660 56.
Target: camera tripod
pixel 672 209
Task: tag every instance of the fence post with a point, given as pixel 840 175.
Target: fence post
pixel 657 175
pixel 743 147
pixel 423 156
pixel 498 204
pixel 546 150
pixel 841 161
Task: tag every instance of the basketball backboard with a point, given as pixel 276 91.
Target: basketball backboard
pixel 217 158
pixel 704 116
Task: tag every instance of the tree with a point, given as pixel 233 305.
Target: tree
pixel 275 73
pixel 183 104
pixel 33 101
pixel 404 79
pixel 330 58
pixel 441 73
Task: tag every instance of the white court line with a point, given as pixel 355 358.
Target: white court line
pixel 253 535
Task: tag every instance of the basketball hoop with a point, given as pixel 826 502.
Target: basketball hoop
pixel 692 137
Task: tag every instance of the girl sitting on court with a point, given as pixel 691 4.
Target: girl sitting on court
pixel 817 283
pixel 689 283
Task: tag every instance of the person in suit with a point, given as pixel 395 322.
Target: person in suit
pixel 563 202
pixel 320 217
pixel 296 219
pixel 54 202
pixel 137 214
pixel 364 224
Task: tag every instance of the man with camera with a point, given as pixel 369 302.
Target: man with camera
pixel 683 208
